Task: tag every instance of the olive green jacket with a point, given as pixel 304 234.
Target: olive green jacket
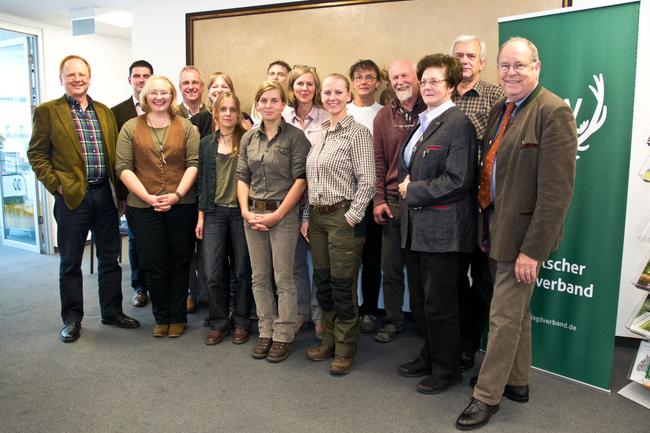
pixel 55 152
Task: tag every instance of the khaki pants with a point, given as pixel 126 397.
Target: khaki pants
pixel 336 253
pixel 508 357
pixel 272 254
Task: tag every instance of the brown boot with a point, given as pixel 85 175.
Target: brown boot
pixel 160 330
pixel 261 349
pixel 279 351
pixel 320 353
pixel 191 306
pixel 176 329
pixel 341 365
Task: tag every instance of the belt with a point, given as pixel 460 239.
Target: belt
pixel 264 205
pixel 96 183
pixel 330 207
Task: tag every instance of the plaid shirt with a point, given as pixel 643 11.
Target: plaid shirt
pixel 477 102
pixel 90 137
pixel 340 166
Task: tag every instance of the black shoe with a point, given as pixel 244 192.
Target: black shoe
pixel 475 415
pixel 434 384
pixel 139 298
pixel 120 320
pixel 466 361
pixel 520 394
pixel 70 332
pixel 516 393
pixel 415 368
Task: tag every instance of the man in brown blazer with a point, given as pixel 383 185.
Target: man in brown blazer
pixel 526 181
pixel 72 152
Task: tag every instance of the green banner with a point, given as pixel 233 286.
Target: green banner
pixel 588 59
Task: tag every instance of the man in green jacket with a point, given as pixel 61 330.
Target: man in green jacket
pixel 72 152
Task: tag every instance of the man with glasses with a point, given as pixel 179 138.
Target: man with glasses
pixel 526 181
pixel 475 98
pixel 366 78
pixel 191 86
pixel 72 152
pixel 392 124
pixel 139 73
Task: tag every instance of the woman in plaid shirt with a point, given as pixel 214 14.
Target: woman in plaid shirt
pixel 341 179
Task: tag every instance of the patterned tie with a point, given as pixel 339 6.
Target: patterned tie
pixel 485 193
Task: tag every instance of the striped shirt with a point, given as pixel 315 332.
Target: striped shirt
pixel 90 136
pixel 341 166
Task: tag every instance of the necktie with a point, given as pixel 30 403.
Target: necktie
pixel 485 193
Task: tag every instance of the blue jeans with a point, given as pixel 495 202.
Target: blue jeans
pixel 218 227
pixel 97 213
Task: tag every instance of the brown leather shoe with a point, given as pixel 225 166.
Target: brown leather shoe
pixel 320 353
pixel 240 335
pixel 176 329
pixel 261 349
pixel 215 336
pixel 191 306
pixel 341 365
pixel 160 330
pixel 279 351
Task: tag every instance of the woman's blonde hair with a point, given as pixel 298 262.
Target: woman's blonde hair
pixel 297 72
pixel 213 77
pixel 270 85
pixel 173 108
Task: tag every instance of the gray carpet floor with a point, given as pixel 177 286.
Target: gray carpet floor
pixel 117 380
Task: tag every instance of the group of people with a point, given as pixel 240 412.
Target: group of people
pixel 453 177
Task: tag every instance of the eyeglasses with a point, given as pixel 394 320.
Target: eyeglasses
pixel 361 78
pixel 162 93
pixel 518 67
pixel 432 82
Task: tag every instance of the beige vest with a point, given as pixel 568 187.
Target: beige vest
pixel 158 176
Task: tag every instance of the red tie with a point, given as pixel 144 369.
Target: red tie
pixel 484 192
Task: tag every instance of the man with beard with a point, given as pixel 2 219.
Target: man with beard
pixel 392 124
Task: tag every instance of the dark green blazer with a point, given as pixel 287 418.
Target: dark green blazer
pixel 55 151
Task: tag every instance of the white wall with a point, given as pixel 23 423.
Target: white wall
pixel 109 58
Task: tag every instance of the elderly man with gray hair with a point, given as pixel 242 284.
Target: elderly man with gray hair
pixel 475 98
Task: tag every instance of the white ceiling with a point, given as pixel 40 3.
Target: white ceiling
pixel 57 12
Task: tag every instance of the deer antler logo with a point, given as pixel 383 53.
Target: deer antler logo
pixel 588 127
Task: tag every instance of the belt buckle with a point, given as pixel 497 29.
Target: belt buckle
pixel 259 205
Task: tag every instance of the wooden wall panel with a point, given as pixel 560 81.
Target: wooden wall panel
pixel 243 42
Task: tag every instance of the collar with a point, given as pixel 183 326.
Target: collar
pixel 418 107
pixel 343 123
pixel 428 116
pixel 313 113
pixel 135 100
pixel 73 102
pixel 283 125
pixel 523 101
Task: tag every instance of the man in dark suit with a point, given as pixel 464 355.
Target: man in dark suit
pixel 139 73
pixel 72 152
pixel 526 182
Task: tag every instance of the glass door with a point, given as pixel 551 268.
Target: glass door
pixel 18 97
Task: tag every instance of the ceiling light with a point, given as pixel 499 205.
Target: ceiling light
pixel 118 18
